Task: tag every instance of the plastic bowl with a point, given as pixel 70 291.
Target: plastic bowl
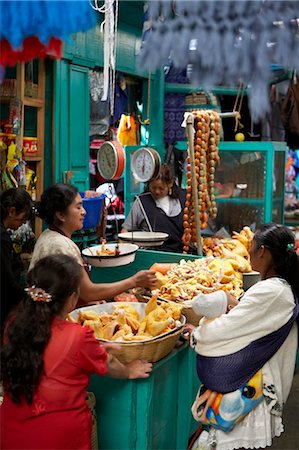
pixel 126 256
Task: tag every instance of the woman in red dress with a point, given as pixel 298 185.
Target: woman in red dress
pixel 46 363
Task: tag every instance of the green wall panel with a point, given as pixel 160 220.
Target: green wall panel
pixel 72 122
pixel 48 156
pixel 87 48
pixel 79 126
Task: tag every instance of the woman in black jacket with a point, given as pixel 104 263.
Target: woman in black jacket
pixel 15 210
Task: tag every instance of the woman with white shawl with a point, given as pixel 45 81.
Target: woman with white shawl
pixel 259 333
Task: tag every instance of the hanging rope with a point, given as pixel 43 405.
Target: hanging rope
pixel 147 120
pixel 109 29
pixel 238 106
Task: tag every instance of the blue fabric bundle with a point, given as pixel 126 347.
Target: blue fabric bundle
pixel 233 41
pixel 228 373
pixel 44 19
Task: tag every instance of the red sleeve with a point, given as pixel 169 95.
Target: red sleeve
pixel 92 356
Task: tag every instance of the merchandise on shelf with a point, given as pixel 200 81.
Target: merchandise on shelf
pixel 30 144
pixel 23 239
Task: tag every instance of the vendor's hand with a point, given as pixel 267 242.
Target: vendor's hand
pixel 108 346
pixel 145 278
pixel 139 369
pixel 231 301
pixel 188 303
pixel 98 302
pixel 187 331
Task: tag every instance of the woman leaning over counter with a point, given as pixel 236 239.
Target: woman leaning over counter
pixel 62 209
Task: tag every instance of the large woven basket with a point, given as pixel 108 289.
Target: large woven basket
pixel 152 350
pixel 91 403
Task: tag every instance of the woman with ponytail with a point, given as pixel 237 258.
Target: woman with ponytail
pixel 62 209
pixel 256 340
pixel 46 363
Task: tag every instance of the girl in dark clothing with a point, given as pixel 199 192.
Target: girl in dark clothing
pixel 15 210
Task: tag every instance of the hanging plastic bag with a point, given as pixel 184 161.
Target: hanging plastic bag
pixel 224 411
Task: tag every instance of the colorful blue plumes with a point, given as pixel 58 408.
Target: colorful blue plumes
pixel 44 19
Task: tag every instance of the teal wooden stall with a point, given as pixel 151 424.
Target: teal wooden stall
pixel 149 414
pixel 154 413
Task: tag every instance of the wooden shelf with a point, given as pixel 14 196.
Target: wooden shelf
pixel 5 99
pixel 33 102
pixel 32 158
pixel 37 116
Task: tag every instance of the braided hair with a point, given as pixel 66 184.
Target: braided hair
pixel 29 326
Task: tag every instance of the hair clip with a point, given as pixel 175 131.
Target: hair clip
pixel 38 295
pixel 290 246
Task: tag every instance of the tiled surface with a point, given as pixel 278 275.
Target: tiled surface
pixel 289 440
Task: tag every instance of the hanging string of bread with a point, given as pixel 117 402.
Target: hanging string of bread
pixel 206 139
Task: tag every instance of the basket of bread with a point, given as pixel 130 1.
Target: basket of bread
pixel 146 331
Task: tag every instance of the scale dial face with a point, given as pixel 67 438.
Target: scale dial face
pixel 143 164
pixel 110 160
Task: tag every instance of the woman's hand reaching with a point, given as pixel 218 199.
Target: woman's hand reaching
pixel 139 369
pixel 145 278
pixel 188 328
pixel 132 370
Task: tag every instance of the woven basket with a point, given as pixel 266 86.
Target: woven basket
pixel 191 316
pixel 91 403
pixel 151 351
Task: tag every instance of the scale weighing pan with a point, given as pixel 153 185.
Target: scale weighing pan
pixel 94 257
pixel 144 238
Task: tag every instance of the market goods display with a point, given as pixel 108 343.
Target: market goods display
pixel 189 278
pixel 184 281
pixel 235 248
pixel 104 250
pixel 125 322
pixel 143 331
pixel 206 139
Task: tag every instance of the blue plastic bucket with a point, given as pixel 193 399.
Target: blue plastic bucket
pixel 93 208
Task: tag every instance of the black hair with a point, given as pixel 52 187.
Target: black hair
pixel 280 241
pixel 166 175
pixel 56 198
pixel 16 198
pixel 29 326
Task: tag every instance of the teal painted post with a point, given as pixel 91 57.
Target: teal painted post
pixel 48 153
pixel 156 128
pixel 61 119
pixel 131 188
pixel 269 182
